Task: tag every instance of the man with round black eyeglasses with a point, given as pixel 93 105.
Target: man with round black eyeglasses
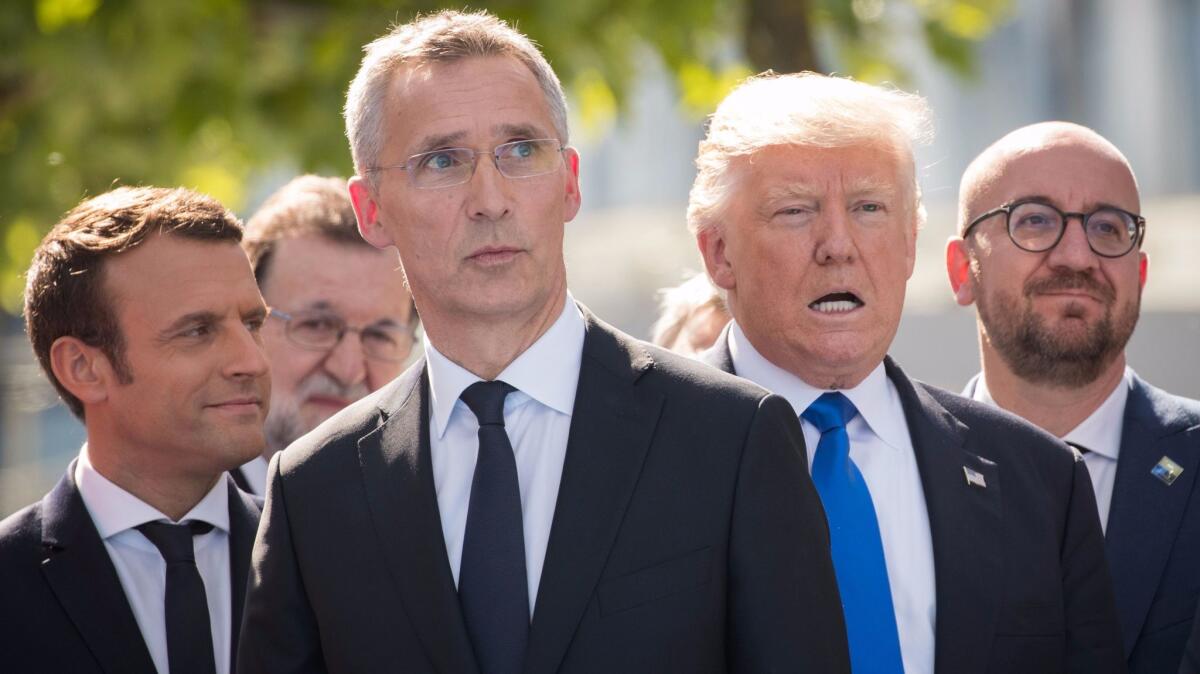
pixel 1056 304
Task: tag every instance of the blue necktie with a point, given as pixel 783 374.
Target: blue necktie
pixel 854 540
pixel 492 586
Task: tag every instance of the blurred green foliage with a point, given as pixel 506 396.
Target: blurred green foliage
pixel 209 93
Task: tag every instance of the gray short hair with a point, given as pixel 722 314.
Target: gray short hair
pixel 444 37
pixel 802 109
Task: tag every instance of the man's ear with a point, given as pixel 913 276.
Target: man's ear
pixel 958 269
pixel 572 195
pixel 713 250
pixel 1143 269
pixel 366 210
pixel 82 369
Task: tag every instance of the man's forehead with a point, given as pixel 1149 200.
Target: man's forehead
pixel 448 101
pixel 1059 172
pixel 799 168
pixel 1050 158
pixel 169 276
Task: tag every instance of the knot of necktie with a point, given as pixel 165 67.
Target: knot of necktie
pixel 831 410
pixel 174 541
pixel 486 401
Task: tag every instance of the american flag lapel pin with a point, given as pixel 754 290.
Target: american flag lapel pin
pixel 974 478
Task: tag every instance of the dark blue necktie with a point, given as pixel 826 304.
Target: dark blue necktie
pixel 189 629
pixel 492 585
pixel 855 542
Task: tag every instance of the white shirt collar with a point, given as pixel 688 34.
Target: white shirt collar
pixel 1101 431
pixel 548 371
pixel 874 397
pixel 114 510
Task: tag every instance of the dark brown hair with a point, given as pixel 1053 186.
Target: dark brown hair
pixel 306 205
pixel 64 287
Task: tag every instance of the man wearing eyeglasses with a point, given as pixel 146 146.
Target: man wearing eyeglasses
pixel 540 493
pixel 1050 254
pixel 341 325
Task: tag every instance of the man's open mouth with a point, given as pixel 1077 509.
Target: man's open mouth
pixel 836 303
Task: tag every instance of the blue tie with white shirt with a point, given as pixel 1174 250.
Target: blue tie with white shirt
pixel 855 543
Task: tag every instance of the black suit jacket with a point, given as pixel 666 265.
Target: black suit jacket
pixel 687 536
pixel 62 607
pixel 1021 580
pixel 1153 536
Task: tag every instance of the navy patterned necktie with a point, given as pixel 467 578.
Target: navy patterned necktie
pixel 492 585
pixel 189 629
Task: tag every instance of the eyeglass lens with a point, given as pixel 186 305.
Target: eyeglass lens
pixel 324 331
pixel 456 165
pixel 1038 227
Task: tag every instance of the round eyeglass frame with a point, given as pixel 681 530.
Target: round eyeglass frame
pixel 1135 241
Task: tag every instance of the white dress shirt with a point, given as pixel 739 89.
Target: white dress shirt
pixel 537 417
pixel 141 568
pixel 1100 434
pixel 881 447
pixel 255 472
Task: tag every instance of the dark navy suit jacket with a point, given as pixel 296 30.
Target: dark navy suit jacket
pixel 687 536
pixel 1153 535
pixel 62 607
pixel 1021 579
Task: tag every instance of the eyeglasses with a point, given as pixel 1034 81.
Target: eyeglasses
pixel 321 331
pixel 455 165
pixel 1037 227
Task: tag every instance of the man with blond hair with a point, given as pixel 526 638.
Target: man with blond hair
pixel 691 316
pixel 341 323
pixel 1056 305
pixel 540 493
pixel 964 539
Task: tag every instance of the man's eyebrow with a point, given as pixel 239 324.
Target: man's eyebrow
pixel 792 191
pixel 519 131
pixel 445 140
pixel 196 317
pixel 867 185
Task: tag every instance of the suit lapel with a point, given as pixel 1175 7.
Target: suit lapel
pixel 718 355
pixel 1145 513
pixel 965 523
pixel 243 525
pixel 398 479
pixel 611 428
pixel 82 576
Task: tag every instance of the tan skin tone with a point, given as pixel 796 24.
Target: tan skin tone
pixel 1076 171
pixel 363 286
pixel 190 314
pixel 484 259
pixel 805 223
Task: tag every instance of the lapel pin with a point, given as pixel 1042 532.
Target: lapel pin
pixel 1167 470
pixel 975 478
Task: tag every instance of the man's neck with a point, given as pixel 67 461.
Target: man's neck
pixel 485 348
pixel 169 492
pixel 1056 409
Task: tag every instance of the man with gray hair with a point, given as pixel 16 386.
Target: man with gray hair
pixel 964 539
pixel 342 323
pixel 1056 305
pixel 540 493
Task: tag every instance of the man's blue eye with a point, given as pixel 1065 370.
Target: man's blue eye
pixel 522 150
pixel 438 161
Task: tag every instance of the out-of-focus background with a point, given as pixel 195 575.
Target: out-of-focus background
pixel 235 97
